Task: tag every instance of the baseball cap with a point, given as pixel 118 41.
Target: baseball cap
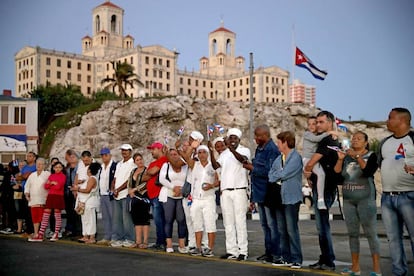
pixel 155 145
pixel 126 147
pixel 105 151
pixel 196 135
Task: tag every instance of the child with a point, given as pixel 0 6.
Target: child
pixel 56 185
pixel 310 143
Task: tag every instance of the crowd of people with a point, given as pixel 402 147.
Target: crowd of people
pixel 223 172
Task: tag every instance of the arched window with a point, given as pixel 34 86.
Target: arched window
pixel 228 47
pixel 97 24
pixel 113 23
pixel 214 47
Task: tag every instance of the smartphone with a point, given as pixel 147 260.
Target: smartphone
pixel 335 148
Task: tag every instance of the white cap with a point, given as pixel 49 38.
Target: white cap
pixel 196 135
pixel 234 131
pixel 203 147
pixel 218 139
pixel 126 147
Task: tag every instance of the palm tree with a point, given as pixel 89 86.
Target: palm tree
pixel 124 76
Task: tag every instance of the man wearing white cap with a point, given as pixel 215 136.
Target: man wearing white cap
pixel 122 225
pixel 234 195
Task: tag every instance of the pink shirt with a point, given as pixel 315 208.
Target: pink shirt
pixel 59 188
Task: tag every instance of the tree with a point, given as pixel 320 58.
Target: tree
pixel 124 76
pixel 55 99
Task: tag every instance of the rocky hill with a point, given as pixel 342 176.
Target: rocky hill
pixel 142 121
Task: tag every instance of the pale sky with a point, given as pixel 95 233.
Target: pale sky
pixel 365 45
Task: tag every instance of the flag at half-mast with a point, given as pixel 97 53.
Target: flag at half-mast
pixel 303 61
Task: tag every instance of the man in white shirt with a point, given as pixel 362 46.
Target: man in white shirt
pixel 106 176
pixel 122 225
pixel 233 199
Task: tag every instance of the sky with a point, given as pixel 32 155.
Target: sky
pixel 365 45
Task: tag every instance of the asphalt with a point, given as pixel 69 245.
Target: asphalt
pixel 19 257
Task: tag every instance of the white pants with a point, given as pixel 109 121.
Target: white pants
pixel 204 216
pixel 234 207
pixel 190 228
pixel 89 222
pixel 320 173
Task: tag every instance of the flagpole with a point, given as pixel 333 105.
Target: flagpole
pixel 293 63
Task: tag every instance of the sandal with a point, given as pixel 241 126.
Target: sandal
pixel 90 241
pixel 83 240
pixel 143 245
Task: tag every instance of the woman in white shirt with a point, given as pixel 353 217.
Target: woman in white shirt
pixel 171 198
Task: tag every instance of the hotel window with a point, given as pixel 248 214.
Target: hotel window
pixel 58 75
pixel 247 80
pixel 267 79
pixel 154 61
pixel 228 84
pixel 189 81
pixel 189 91
pixel 31 73
pixel 89 67
pixel 146 72
pixel 146 60
pixel 79 66
pixel 69 76
pixel 160 74
pixel 168 87
pixel 211 84
pixel 234 83
pixel 20 64
pixel 88 79
pixel 196 82
pixel 19 115
pixel 168 75
pixel 228 94
pixel 47 61
pixel 234 93
pixel 154 73
pixel 196 93
pixel 58 62
pixel 69 64
pixel 4 115
pixel 211 95
pixel 79 77
pixel 89 90
pixel 204 83
pixel 159 61
pixel 168 63
pixel 132 60
pixel 204 94
pixel 283 81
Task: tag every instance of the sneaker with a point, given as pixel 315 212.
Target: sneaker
pixel 242 257
pixel 375 274
pixel 296 265
pixel 55 237
pixel 348 271
pixel 228 256
pixel 208 253
pixel 157 247
pixel 183 250
pixel 196 252
pixel 36 239
pixel 280 262
pixel 321 204
pixel 7 231
pixel 128 243
pixel 321 266
pixel 169 250
pixel 116 243
pixel 103 242
pixel 49 234
pixel 191 250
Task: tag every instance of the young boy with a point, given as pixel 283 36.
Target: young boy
pixel 310 143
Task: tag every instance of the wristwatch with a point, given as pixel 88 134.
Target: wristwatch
pixel 357 156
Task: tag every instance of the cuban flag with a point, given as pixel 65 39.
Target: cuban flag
pixel 340 125
pixel 180 131
pixel 210 130
pixel 303 61
pixel 219 128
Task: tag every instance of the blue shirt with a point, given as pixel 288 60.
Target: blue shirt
pixel 263 160
pixel 26 169
pixel 290 174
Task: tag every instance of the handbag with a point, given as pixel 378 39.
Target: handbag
pixel 157 182
pixel 80 208
pixel 186 189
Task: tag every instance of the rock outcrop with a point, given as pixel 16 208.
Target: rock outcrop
pixel 143 121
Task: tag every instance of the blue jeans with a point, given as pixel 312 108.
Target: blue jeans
pixel 107 207
pixel 287 220
pixel 122 226
pixel 327 256
pixel 398 210
pixel 270 230
pixel 159 220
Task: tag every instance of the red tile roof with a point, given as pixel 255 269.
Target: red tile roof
pixel 222 29
pixel 86 36
pixel 109 4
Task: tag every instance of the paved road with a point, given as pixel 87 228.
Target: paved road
pixel 19 257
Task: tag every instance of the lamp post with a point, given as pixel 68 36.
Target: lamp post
pixel 251 100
